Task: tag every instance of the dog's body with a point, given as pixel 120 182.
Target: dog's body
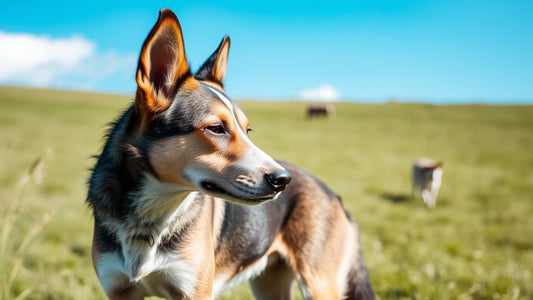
pixel 427 179
pixel 169 187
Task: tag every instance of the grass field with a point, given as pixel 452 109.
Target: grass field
pixel 476 244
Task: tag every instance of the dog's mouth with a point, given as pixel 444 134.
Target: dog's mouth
pixel 214 188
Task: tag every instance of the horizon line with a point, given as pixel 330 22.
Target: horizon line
pixel 362 100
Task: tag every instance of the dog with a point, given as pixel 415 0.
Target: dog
pixel 185 205
pixel 427 179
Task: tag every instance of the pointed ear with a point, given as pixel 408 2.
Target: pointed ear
pixel 214 69
pixel 162 65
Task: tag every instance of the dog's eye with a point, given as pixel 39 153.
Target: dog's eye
pixel 217 129
pixel 248 129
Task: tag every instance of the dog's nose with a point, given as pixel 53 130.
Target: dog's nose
pixel 279 180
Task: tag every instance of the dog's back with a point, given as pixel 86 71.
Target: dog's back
pixel 427 178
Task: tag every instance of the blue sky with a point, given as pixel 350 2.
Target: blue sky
pixel 436 51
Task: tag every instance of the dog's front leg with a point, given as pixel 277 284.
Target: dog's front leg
pixel 204 284
pixel 200 254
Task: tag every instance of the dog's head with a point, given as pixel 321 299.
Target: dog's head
pixel 193 134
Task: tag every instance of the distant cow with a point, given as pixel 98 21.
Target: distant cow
pixel 320 110
pixel 427 178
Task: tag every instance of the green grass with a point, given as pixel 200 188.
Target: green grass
pixel 476 244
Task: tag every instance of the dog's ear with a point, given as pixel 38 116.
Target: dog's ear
pixel 162 65
pixel 214 69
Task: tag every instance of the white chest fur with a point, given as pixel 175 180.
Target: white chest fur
pixel 141 262
pixel 159 273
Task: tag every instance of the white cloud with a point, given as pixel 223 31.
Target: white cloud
pixel 57 62
pixel 324 92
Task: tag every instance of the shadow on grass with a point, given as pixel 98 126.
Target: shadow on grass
pixel 395 198
pixel 397 293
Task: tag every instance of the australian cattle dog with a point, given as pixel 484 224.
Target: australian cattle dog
pixel 186 206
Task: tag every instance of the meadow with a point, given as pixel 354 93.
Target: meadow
pixel 477 243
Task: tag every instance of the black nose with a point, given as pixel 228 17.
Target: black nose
pixel 279 180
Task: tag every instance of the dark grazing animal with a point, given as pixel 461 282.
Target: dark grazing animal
pixel 320 110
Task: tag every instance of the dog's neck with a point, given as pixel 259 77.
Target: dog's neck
pixel 160 209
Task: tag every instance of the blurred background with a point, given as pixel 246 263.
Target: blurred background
pixel 447 80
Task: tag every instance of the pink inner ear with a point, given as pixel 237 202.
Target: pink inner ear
pixel 162 58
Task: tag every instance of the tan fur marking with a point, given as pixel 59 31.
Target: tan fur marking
pixel 242 119
pixel 171 156
pixel 212 84
pixel 236 147
pixel 307 244
pixel 190 84
pixel 198 251
pixel 220 67
pixel 218 219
